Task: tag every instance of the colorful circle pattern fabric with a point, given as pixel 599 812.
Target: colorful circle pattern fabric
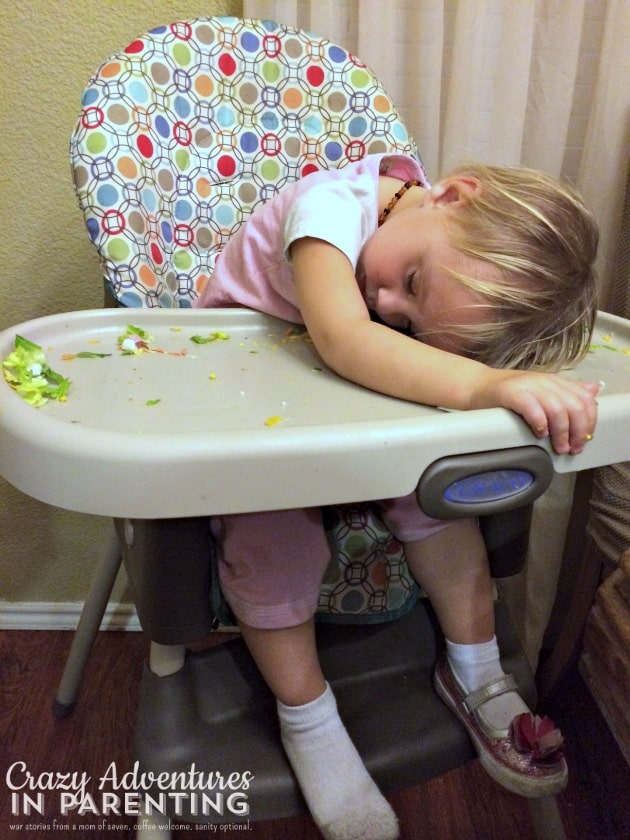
pixel 193 125
pixel 367 579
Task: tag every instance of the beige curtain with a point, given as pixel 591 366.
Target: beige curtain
pixel 539 83
pixel 542 83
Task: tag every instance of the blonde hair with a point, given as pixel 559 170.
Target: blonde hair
pixel 542 240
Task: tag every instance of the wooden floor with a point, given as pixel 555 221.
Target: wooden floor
pixel 463 805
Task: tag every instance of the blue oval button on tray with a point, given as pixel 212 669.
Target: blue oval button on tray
pixel 488 486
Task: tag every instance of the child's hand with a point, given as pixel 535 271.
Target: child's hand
pixel 562 409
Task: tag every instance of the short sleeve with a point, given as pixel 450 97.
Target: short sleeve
pixel 343 213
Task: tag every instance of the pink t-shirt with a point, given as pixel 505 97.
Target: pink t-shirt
pixel 339 206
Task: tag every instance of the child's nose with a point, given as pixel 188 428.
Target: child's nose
pixel 389 307
pixel 388 301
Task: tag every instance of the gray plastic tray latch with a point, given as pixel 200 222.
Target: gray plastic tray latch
pixel 483 483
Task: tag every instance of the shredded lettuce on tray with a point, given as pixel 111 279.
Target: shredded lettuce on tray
pixel 134 341
pixel 28 373
pixel 218 335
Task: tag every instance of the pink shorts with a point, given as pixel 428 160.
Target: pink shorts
pixel 271 564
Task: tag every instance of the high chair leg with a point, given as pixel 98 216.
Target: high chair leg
pixel 546 818
pixel 87 628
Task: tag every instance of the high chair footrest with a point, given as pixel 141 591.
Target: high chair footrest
pixel 217 716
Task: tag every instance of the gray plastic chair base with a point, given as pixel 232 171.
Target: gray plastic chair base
pixel 217 715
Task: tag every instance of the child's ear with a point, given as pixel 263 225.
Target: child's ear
pixel 456 189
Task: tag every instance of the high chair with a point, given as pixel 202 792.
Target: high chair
pixel 181 136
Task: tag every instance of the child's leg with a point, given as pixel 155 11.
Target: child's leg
pixel 271 569
pixel 451 566
pixel 288 661
pixel 344 801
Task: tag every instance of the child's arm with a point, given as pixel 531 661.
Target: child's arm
pixel 378 357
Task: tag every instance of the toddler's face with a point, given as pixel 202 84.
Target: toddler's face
pixel 403 272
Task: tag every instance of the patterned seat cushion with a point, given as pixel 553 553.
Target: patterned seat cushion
pixel 367 579
pixel 191 126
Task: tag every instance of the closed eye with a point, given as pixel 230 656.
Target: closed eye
pixel 412 284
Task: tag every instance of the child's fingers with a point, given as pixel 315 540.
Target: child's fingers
pixel 553 406
pixel 572 417
pixel 561 409
pixel 583 428
pixel 592 387
pixel 562 433
pixel 553 421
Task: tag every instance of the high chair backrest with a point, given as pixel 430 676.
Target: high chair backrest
pixel 193 125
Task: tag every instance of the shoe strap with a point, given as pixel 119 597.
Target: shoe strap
pixel 493 689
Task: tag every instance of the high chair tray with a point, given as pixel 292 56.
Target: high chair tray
pixel 248 419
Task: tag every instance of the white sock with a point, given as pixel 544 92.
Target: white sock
pixel 344 801
pixel 477 665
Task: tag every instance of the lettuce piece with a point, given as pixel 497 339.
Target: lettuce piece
pixel 134 341
pixel 218 335
pixel 137 331
pixel 28 373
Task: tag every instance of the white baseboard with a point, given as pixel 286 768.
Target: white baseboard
pixel 38 615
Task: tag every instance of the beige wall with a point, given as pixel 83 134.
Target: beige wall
pixel 47 264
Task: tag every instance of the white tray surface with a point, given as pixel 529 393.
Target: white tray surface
pixel 255 421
